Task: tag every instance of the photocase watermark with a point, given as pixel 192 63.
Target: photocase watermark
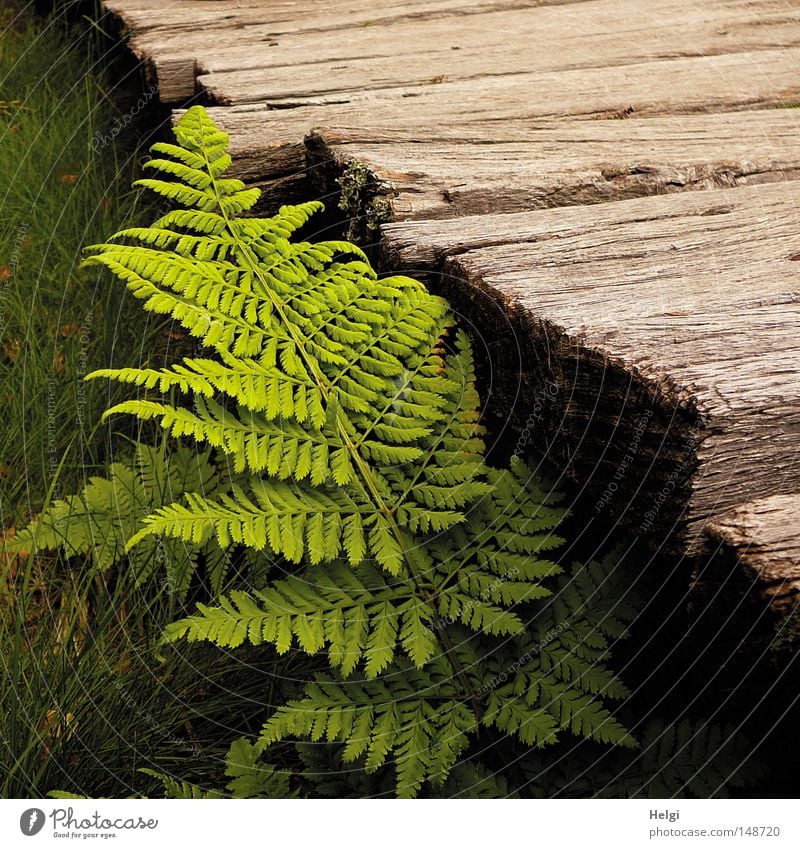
pixel 32 821
pixel 689 450
pixel 7 272
pixel 51 437
pixel 543 398
pixel 626 462
pixel 102 139
pixel 153 723
pixel 498 680
pixel 65 824
pixel 84 342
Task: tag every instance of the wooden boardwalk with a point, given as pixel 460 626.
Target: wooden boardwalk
pixel 608 192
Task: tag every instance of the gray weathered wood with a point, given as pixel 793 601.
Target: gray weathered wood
pixel 686 306
pixel 316 51
pixel 374 60
pixel 648 343
pixel 448 172
pixel 676 86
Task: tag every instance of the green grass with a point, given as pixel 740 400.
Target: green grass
pixel 58 193
pixel 84 701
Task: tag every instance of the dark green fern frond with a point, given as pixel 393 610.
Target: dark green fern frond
pixel 418 721
pixel 472 780
pixel 328 776
pixel 183 790
pixel 690 759
pixel 249 779
pixel 557 666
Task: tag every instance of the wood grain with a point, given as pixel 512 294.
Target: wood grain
pixel 602 187
pixel 765 537
pixel 440 172
pixel 691 299
pixel 279 52
pixel 678 86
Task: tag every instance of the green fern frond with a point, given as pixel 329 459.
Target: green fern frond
pixel 472 780
pixel 356 614
pixel 290 520
pixel 348 406
pixel 99 522
pixel 182 790
pixel 557 666
pixel 303 338
pixel 416 721
pixel 249 778
pixel 328 776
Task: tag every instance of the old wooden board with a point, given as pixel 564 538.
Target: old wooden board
pixel 281 52
pixel 765 537
pixel 682 309
pixel 319 63
pixel 679 86
pixel 650 341
pixel 435 172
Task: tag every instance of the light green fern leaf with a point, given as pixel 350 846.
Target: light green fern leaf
pixel 308 339
pixel 347 407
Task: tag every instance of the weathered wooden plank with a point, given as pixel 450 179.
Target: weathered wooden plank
pixel 275 52
pixel 447 172
pixel 426 243
pixel 681 85
pixel 176 77
pixel 765 537
pixel 711 84
pixel 601 33
pixel 157 31
pixel 292 16
pixel 587 34
pixel 683 308
pixel 647 343
pixel 595 33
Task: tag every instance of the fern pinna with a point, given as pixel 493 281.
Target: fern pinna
pixel 347 406
pixel 98 521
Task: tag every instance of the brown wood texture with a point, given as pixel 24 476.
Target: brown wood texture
pixel 765 536
pixel 604 188
pixel 447 172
